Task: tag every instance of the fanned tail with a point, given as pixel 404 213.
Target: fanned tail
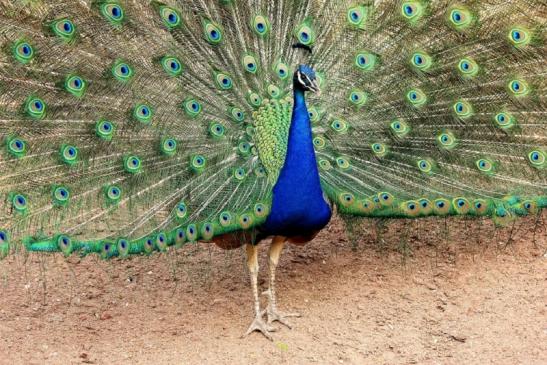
pixel 129 126
pixel 438 109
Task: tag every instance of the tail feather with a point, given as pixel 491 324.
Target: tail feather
pixel 168 120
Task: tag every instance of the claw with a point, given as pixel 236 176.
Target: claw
pixel 260 326
pixel 281 317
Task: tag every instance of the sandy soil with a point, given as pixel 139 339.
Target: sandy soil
pixel 419 292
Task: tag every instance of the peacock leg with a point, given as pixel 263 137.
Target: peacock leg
pixel 258 323
pixel 278 242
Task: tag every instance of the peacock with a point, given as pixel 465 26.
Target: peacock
pixel 129 127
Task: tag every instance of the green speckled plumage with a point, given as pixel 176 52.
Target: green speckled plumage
pixel 130 126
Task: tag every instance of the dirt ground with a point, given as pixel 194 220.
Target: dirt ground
pixel 412 292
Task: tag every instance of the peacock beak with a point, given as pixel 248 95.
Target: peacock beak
pixel 315 87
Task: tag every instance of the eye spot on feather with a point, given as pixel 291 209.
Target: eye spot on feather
pixel 216 130
pixel 346 199
pixel 64 29
pixel 236 114
pixel 325 165
pixel 446 140
pixel 425 166
pixel 461 205
pixel 170 17
pixel 172 66
pixel 35 108
pixel 261 210
pixel 113 12
pixel 463 109
pixel 104 129
pixel 421 61
pixel 460 18
pixel 416 97
pixel 223 81
pixel 213 33
pixel 23 51
pixel 197 163
pixel 19 203
pixel 250 63
pixel 468 68
pixel 113 194
pixel 61 196
pixel 519 36
pixel 379 149
pixel 168 146
pixel 339 126
pixel 192 107
pixel 180 210
pixel 16 147
pixel 122 71
pixel 442 206
pixel 143 113
pixel 357 17
pixel 281 70
pixel 358 98
pixel 486 166
pixel 64 243
pixel 260 25
pixel 366 61
pixel 69 154
pixel 3 237
pixel 132 164
pixel 412 11
pixel 518 88
pixel 537 158
pixel 343 163
pixel 75 85
pixel 254 99
pixel 319 142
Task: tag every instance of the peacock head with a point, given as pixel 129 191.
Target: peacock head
pixel 305 79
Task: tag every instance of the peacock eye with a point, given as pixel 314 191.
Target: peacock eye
pixel 460 17
pixel 116 11
pixel 25 49
pixel 412 11
pixel 223 81
pixel 518 87
pixel 520 36
pixel 171 66
pixel 170 17
pixel 516 35
pixel 112 12
pixel 260 25
pixel 501 118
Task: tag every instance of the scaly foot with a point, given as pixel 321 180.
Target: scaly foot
pixel 260 326
pixel 275 315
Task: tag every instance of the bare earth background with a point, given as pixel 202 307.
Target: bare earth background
pixel 416 292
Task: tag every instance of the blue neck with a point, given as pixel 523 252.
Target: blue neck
pixel 300 149
pixel 298 206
